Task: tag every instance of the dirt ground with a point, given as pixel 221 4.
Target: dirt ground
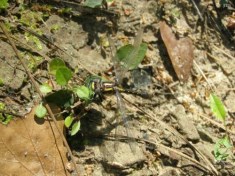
pixel 173 130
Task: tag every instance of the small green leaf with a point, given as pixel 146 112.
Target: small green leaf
pixel 217 107
pixel 93 3
pixel 138 54
pixel 83 92
pixel 45 88
pixel 4 4
pixel 123 51
pixel 63 75
pixel 2 106
pixel 1 82
pixel 222 149
pixel 68 121
pixel 75 128
pixel 55 64
pixel 5 119
pixel 40 111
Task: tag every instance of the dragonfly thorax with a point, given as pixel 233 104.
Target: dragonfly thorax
pixel 99 86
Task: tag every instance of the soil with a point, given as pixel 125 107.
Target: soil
pixel 171 131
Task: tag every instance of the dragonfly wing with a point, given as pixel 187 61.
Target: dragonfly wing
pixel 117 132
pixel 131 57
pixel 119 68
pixel 122 111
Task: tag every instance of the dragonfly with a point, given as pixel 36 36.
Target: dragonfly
pixel 100 86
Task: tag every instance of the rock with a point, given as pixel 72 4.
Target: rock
pixel 70 36
pixel 186 124
pixel 11 72
pixel 206 149
pixel 205 135
pixel 166 171
pixel 229 102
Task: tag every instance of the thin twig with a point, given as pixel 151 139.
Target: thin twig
pixel 198 11
pixel 216 123
pixel 41 96
pixel 226 54
pixel 212 86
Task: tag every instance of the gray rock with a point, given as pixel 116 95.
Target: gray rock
pixel 230 102
pixel 11 72
pixel 186 124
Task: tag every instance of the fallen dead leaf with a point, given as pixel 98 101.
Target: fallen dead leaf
pixel 29 148
pixel 180 52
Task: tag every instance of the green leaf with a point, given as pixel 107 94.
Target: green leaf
pixel 75 128
pixel 123 51
pixel 68 121
pixel 63 75
pixel 93 3
pixel 83 92
pixel 40 111
pixel 1 82
pixel 137 54
pixel 5 119
pixel 217 107
pixel 222 149
pixel 55 64
pixel 2 106
pixel 4 4
pixel 45 88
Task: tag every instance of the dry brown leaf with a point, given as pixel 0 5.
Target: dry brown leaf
pixel 29 148
pixel 231 22
pixel 180 52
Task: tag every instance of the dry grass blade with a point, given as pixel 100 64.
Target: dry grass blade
pixel 211 85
